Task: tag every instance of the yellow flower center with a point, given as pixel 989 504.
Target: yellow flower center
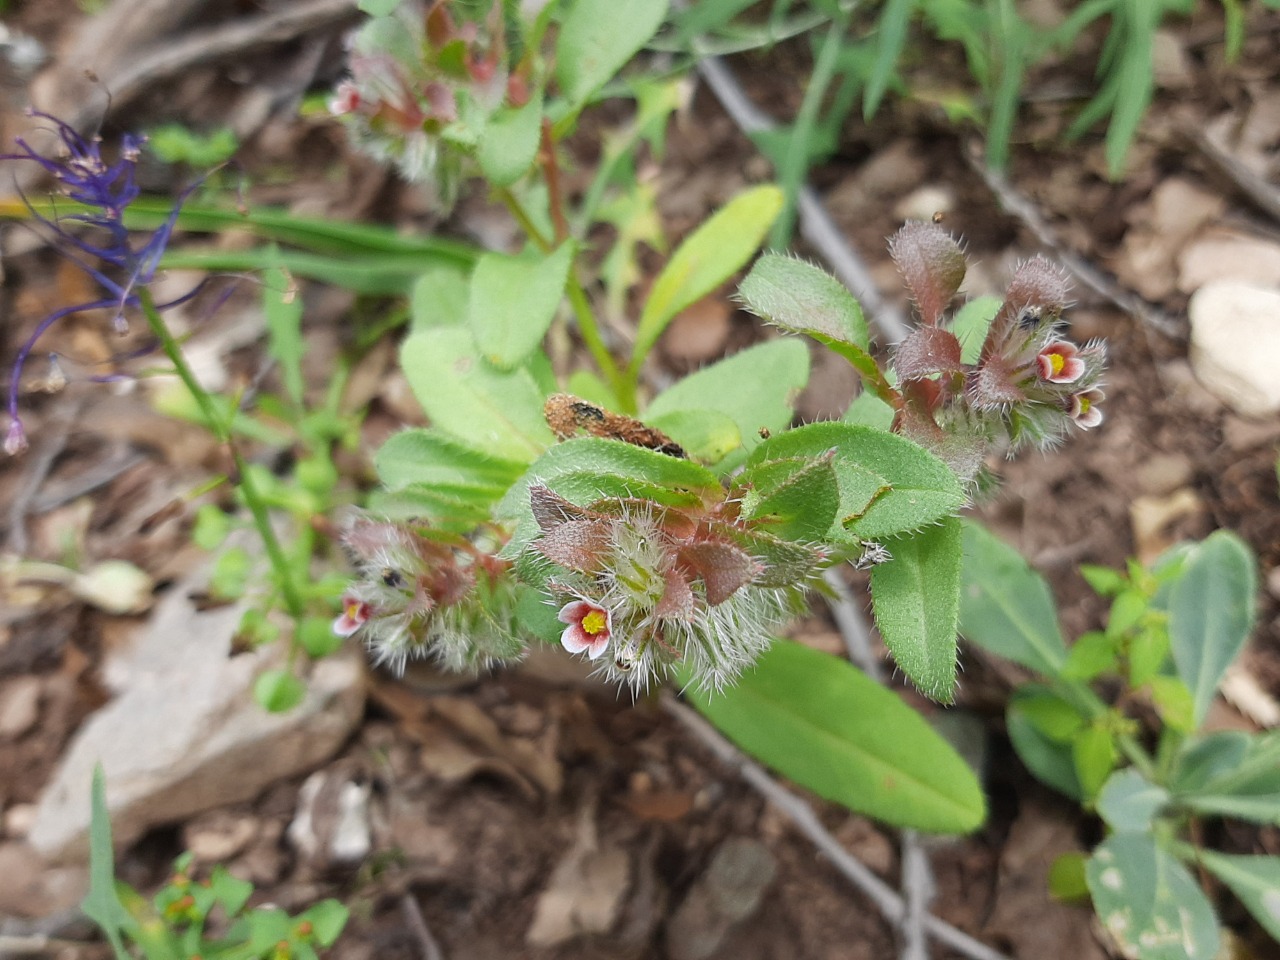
pixel 594 622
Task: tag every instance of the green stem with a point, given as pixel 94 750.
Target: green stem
pixel 221 429
pixel 577 296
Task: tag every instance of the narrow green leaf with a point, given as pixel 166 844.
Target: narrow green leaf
pixel 494 410
pixel 513 301
pixel 1149 902
pixel 327 918
pixel 510 142
pixel 597 37
pixel 803 298
pixel 916 599
pixel 1130 802
pixel 1067 883
pixel 282 308
pixel 707 258
pixel 1208 757
pixel 825 725
pixel 1049 713
pixel 891 38
pixel 102 903
pixel 756 388
pixel 1211 613
pixel 1255 880
pixel 1006 607
pixel 1094 753
pixel 1248 789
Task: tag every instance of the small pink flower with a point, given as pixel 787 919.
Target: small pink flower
pixel 15 440
pixel 1059 362
pixel 1084 408
pixel 346 99
pixel 355 613
pixel 589 628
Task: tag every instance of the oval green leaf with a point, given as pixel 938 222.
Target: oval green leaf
pixel 820 722
pixel 513 301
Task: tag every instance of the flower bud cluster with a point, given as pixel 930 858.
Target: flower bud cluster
pixel 421 88
pixel 643 588
pixel 1029 383
pixel 422 595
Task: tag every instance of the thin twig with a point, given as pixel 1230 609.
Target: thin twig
pixel 880 893
pixel 816 225
pixel 54 441
pixel 418 924
pixel 918 887
pixel 1015 204
pixel 1264 195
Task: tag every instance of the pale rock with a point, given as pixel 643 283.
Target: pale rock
pixel 923 202
pixel 1222 255
pixel 19 706
pixel 1151 518
pixel 219 835
pixel 1162 473
pixel 185 735
pixel 331 827
pixel 18 820
pixel 727 892
pixel 1235 344
pixel 585 893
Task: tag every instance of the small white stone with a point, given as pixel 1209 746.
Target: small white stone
pixel 1235 345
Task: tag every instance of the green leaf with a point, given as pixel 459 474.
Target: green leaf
pixel 1255 880
pixel 1094 753
pixel 327 918
pixel 801 507
pixel 1091 655
pixel 278 691
pixel 798 296
pixel 756 388
pixel 431 457
pixel 1211 612
pixel 510 142
pixel 707 258
pixel 891 38
pixel 230 576
pixel 514 300
pixel 1148 653
pixel 1104 581
pixel 282 307
pixel 1206 758
pixel 377 8
pixel 868 410
pixel 1067 883
pixel 822 723
pixel 316 636
pixel 971 323
pixel 1006 607
pixel 1126 610
pixel 1148 901
pixel 1248 789
pixel 888 485
pixel 494 410
pixel 1130 802
pixel 211 527
pixel 102 903
pixel 597 37
pixel 916 598
pixel 439 298
pixel 1049 713
pixel 1174 703
pixel 707 436
pixel 1049 762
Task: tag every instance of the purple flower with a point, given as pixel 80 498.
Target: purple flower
pixel 106 251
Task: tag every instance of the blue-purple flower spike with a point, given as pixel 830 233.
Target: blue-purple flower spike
pixel 106 189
